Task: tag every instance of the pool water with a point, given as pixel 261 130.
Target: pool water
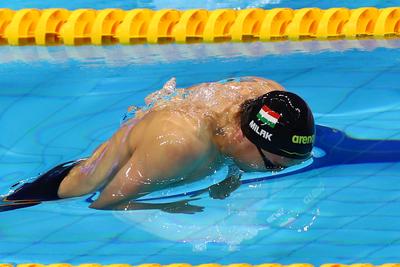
pixel 60 103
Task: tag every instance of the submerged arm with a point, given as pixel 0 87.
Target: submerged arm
pixel 181 206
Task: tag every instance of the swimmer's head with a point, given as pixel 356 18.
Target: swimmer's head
pixel 280 123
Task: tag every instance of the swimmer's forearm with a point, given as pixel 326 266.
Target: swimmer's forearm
pixel 234 170
pixel 131 205
pixel 232 179
pixel 224 188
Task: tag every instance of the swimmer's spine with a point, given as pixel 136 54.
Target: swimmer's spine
pixel 112 25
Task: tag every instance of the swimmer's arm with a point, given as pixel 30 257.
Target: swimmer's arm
pixel 224 188
pixel 153 166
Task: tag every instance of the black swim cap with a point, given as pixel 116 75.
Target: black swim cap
pixel 279 122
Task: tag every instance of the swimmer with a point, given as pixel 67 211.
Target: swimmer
pixel 251 123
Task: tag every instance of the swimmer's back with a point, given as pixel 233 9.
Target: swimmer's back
pixel 161 149
pixel 164 123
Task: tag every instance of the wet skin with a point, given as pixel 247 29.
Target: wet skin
pixel 169 146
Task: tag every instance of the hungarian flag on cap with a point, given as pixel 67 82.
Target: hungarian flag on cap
pixel 268 116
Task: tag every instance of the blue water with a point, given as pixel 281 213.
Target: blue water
pixel 60 103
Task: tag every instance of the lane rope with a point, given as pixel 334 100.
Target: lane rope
pixel 116 26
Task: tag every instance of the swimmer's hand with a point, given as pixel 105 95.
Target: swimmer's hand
pixel 223 189
pixel 182 206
